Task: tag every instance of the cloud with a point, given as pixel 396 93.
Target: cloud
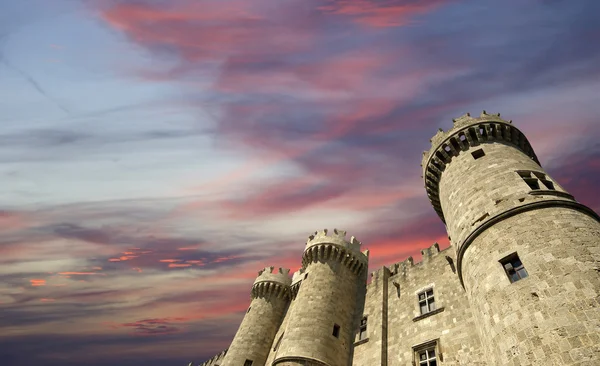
pixel 579 173
pixel 328 103
pixel 378 14
pixel 155 327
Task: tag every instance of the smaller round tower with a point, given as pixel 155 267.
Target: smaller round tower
pixel 270 298
pixel 324 318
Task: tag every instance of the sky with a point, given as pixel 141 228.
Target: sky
pixel 154 155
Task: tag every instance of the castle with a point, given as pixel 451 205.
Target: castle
pixel 519 284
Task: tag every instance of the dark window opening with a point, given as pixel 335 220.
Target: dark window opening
pixel 493 129
pixel 454 143
pixel 478 154
pixel 514 268
pixel 426 301
pixel 533 180
pixel 248 363
pixel 440 156
pixel 363 329
pixel 482 131
pixel 336 331
pixel 532 183
pixel 427 357
pixel 247 311
pixel 473 134
pixel 548 184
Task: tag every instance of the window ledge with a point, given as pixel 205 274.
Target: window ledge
pixel 362 341
pixel 549 192
pixel 423 316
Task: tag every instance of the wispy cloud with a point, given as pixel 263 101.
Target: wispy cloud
pixel 211 137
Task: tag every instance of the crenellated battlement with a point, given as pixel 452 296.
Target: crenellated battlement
pixel 406 265
pixel 325 246
pixel 467 132
pixel 272 282
pixel 215 360
pixel 335 237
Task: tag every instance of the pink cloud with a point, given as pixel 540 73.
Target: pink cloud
pixel 379 14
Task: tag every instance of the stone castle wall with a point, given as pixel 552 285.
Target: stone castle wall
pixel 480 177
pixel 395 325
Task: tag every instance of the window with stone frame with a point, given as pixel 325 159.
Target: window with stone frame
pixel 362 333
pixel 536 180
pixel 248 363
pixel 427 354
pixel 513 267
pixel 426 301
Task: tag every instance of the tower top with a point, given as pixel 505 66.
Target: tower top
pixel 334 245
pixel 336 237
pixel 467 132
pixel 271 274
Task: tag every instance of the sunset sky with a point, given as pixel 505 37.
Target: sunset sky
pixel 154 155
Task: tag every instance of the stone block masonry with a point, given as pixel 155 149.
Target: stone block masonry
pixel 519 284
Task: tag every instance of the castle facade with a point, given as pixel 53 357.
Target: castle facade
pixel 519 284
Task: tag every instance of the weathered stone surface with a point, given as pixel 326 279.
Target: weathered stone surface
pixel 270 299
pixel 474 178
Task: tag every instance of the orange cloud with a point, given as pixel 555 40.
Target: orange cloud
pixel 38 282
pixel 170 260
pixel 80 273
pixel 179 265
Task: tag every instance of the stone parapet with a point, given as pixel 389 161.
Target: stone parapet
pixel 271 282
pixel 215 360
pixel 335 247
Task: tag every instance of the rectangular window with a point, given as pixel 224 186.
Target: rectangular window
pixel 533 180
pixel 478 154
pixel 426 301
pixel 514 268
pixel 427 357
pixel 247 311
pixel 248 363
pixel 336 330
pixel 427 354
pixel 363 329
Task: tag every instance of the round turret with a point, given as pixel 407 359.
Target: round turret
pixel 522 241
pixel 325 315
pixel 270 297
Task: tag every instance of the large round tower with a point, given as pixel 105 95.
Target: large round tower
pixel 270 297
pixel 324 318
pixel 528 253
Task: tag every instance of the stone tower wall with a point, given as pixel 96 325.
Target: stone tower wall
pixel 490 212
pixel 552 317
pixel 328 296
pixel 392 309
pixel 270 299
pixel 294 288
